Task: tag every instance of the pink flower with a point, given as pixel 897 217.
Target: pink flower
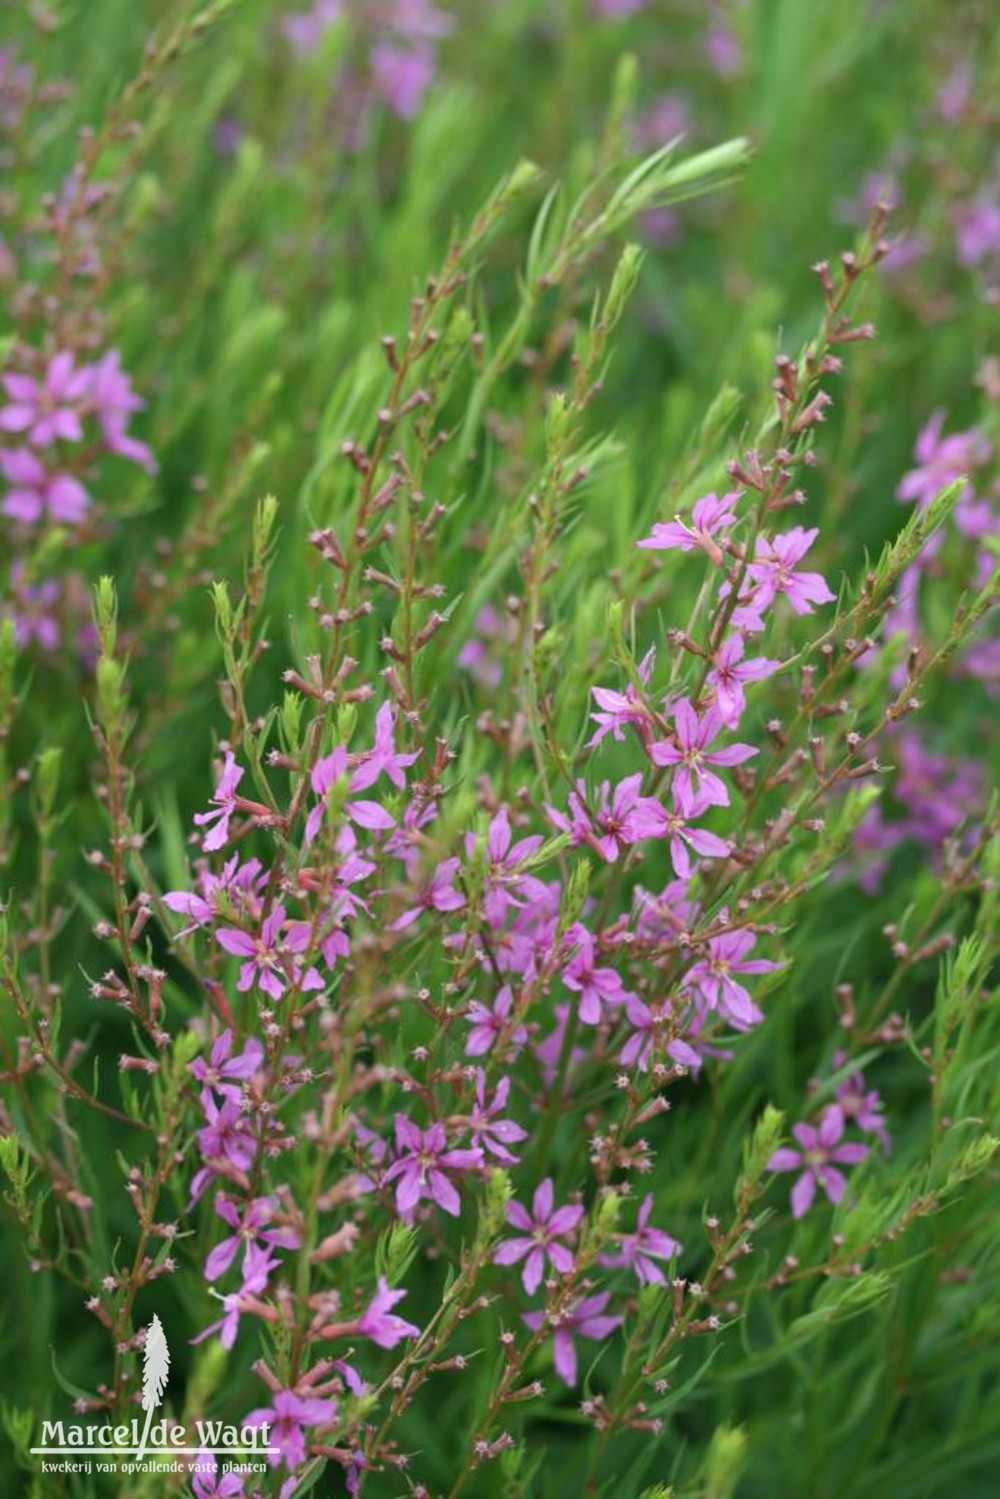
pixel 46 410
pixel 288 1419
pixel 544 1229
pixel 438 894
pixel 940 461
pixel 112 399
pixel 423 1165
pixel 692 757
pixel 621 708
pixel 249 1229
pixel 223 1069
pixel 383 758
pixel 226 1138
pixel 648 1035
pixel 619 819
pixel 729 673
pixel 861 1105
pixel 820 1149
pixel 214 1485
pixel 378 1322
pixel 596 986
pixel 488 1132
pixel 267 963
pixel 34 492
pixel 681 837
pixel 639 1250
pixel 772 573
pixel 402 76
pixel 584 1320
pixel 329 772
pixel 506 884
pixel 487 1023
pixel 257 1267
pixel 224 801
pixel 713 977
pixel 709 515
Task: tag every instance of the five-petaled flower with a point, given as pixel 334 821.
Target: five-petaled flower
pixel 424 1165
pixel 818 1159
pixel 544 1228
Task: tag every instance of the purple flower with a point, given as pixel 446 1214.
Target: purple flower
pixel 46 410
pixel 288 1419
pixel 621 708
pixel 438 894
pixel 820 1149
pixel 110 395
pixel 224 802
pixel 214 1485
pixel 639 1250
pixel 383 758
pixel 940 461
pixel 326 774
pixel 861 1105
pixel 729 673
pixel 227 1135
pixel 692 757
pixel 378 1322
pixel 596 986
pixel 977 231
pixel 709 515
pixel 713 977
pixel 422 1166
pixel 772 573
pixel 584 1320
pixel 223 1068
pixel 249 1229
pixel 544 1229
pixel 704 843
pixel 647 1036
pixel 266 963
pixel 402 75
pixel 505 882
pixel 34 492
pixel 257 1267
pixel 619 819
pixel 488 1132
pixel 487 1023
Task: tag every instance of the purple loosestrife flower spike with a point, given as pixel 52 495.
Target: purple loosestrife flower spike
pixel 544 1229
pixel 817 1160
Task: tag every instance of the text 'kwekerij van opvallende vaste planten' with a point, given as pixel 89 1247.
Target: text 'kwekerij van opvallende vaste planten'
pixel 499 676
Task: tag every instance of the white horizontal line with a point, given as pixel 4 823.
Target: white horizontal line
pixel 243 1452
